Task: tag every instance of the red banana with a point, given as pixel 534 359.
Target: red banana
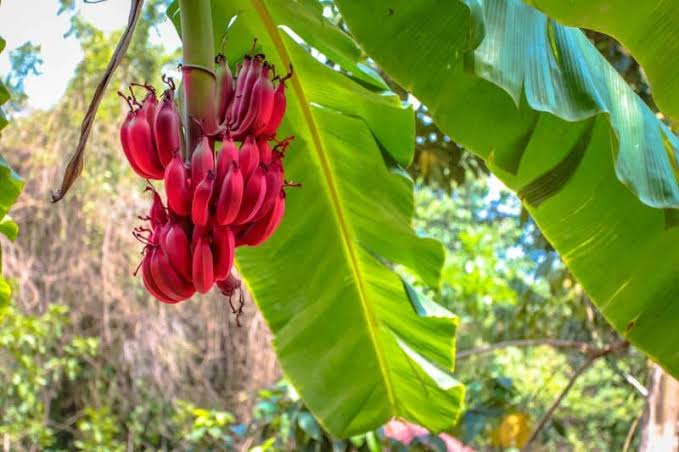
pixel 175 244
pixel 177 187
pixel 149 104
pixel 125 142
pixel 140 145
pixel 266 104
pixel 166 128
pixel 203 266
pixel 227 155
pixel 260 106
pixel 230 196
pixel 248 158
pixel 274 184
pixel 202 161
pixel 223 247
pixel 215 202
pixel 252 77
pixel 240 87
pixel 265 151
pixel 200 209
pixel 167 279
pixel 253 196
pixel 224 87
pixel 277 111
pixel 150 283
pixel 261 230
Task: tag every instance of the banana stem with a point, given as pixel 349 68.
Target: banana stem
pixel 199 83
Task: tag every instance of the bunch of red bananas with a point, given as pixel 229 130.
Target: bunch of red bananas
pixel 216 201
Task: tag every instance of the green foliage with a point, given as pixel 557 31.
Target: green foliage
pixel 98 430
pixel 342 224
pixel 281 421
pixel 37 363
pixel 506 284
pixel 202 428
pixel 36 358
pixel 561 162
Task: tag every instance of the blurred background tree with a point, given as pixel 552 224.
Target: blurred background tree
pixel 89 360
pixel 25 61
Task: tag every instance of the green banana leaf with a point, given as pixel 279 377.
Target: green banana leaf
pixel 359 344
pixel 648 29
pixel 518 90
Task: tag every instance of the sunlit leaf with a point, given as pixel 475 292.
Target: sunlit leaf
pixel 529 97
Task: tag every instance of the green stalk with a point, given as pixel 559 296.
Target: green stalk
pixel 198 70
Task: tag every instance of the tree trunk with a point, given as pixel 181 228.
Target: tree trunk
pixel 661 427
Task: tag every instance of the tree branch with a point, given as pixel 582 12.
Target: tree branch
pixel 582 347
pixel 75 164
pixel 592 357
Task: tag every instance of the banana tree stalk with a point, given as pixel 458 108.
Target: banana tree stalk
pixel 199 82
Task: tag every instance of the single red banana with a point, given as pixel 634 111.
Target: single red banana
pixel 167 279
pixel 150 283
pixel 223 247
pixel 149 105
pixel 177 187
pixel 140 142
pixel 263 229
pixel 248 157
pixel 277 111
pixel 260 106
pixel 176 247
pixel 230 196
pixel 166 128
pixel 265 151
pixel 225 88
pixel 238 93
pixel 200 209
pixel 125 142
pixel 274 184
pixel 266 103
pixel 227 155
pixel 253 196
pixel 202 161
pixel 252 77
pixel 203 266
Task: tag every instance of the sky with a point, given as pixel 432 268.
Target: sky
pixel 37 21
